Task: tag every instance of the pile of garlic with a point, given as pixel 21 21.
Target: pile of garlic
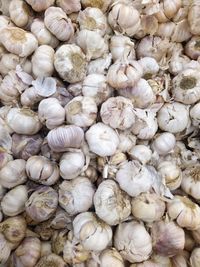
pixel 99 133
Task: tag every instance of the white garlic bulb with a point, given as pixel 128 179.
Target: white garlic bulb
pixel 19 12
pixel 5 249
pixel 164 143
pixel 64 137
pixel 81 111
pixel 102 139
pixel 149 65
pixel 13 203
pixel 134 178
pixel 30 97
pixel 99 65
pixel 141 153
pixel 112 205
pixel 111 258
pixel 195 257
pixel 69 6
pixel 93 233
pixel 194 114
pixel 42 61
pixel 70 63
pixel 58 23
pixel 173 117
pixel 193 17
pixel 5 21
pixel 18 41
pixel 167 10
pixel 40 5
pixel 192 48
pixel 133 241
pixel 127 141
pixel 13 173
pixel 76 196
pixel 8 62
pixel 71 164
pixel 51 113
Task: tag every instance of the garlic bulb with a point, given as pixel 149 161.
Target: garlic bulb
pixel 195 257
pixel 42 170
pixel 124 18
pixel 96 86
pixel 42 203
pixel 81 111
pixel 13 203
pixel 61 220
pixel 51 113
pixel 20 13
pixel 193 17
pixel 30 97
pixel 40 5
pixel 5 249
pixel 45 248
pixel 167 237
pixel 28 252
pixel 123 74
pixel 5 140
pixel 64 137
pixel 13 173
pixel 133 241
pixel 148 207
pixel 164 143
pixel 69 6
pixel 5 22
pixel 168 9
pixel 76 196
pixel 70 63
pixel 18 41
pixel 58 23
pixel 111 258
pixel 43 35
pixel 192 47
pixel 127 141
pixel 99 65
pixel 149 65
pixel 112 205
pixel 171 173
pixel 93 233
pixel 120 46
pixel 134 178
pixel 93 19
pixel 186 212
pixel 101 4
pixel 8 62
pixel 23 121
pixel 102 139
pixel 71 164
pixel 51 260
pixel 173 117
pixel 141 153
pixel 92 44
pixel 194 114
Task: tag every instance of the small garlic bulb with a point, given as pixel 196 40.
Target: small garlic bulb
pixel 120 46
pixel 51 113
pixel 102 139
pixel 27 253
pixel 124 18
pixel 112 205
pixel 42 203
pixel 95 85
pixel 111 258
pixel 23 121
pixel 148 207
pixel 141 153
pixel 134 178
pixel 101 4
pixel 123 74
pixel 40 5
pixel 13 202
pixel 81 111
pixel 93 233
pixel 149 65
pixel 42 61
pixel 133 241
pixel 18 41
pixel 43 35
pixel 164 143
pixel 20 13
pixel 5 249
pixel 173 117
pixel 13 173
pixel 127 141
pixel 70 63
pixel 92 43
pixel 185 212
pixel 71 164
pixel 8 62
pixel 52 260
pixel 64 137
pixel 192 47
pixel 69 6
pixel 171 173
pixel 193 17
pixel 76 196
pixel 42 170
pixel 168 238
pixel 58 23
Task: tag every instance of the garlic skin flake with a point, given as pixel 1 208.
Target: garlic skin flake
pixel 133 241
pixel 112 205
pixel 102 139
pixel 92 232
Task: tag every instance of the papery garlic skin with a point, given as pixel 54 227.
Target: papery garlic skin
pixel 164 143
pixel 195 257
pixel 51 259
pixel 141 153
pixel 102 139
pixel 194 114
pixel 111 258
pixel 71 164
pixel 69 6
pixel 70 63
pixel 13 173
pixel 19 12
pixel 134 178
pixel 101 4
pixel 112 205
pixel 127 141
pixel 81 111
pixel 133 241
pixel 99 65
pixel 13 203
pixel 117 112
pixel 76 196
pixel 173 117
pixel 18 41
pixel 58 23
pixel 40 5
pixel 30 97
pixel 51 113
